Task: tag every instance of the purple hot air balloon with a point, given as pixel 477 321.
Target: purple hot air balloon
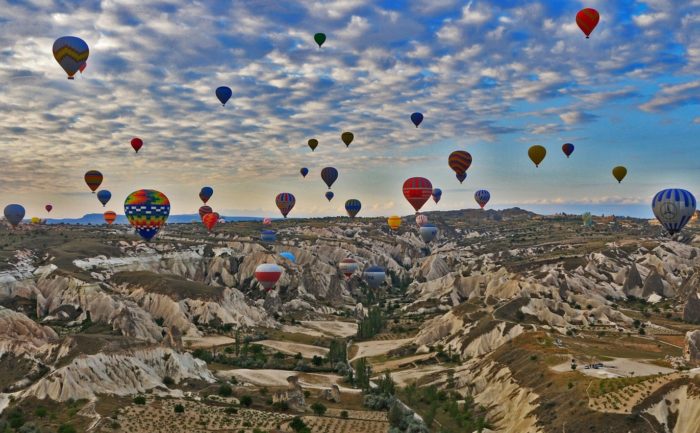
pixel 568 149
pixel 461 177
pixel 329 175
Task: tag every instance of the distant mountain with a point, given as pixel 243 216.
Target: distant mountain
pixel 97 218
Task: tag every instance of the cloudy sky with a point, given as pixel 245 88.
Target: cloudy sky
pixel 491 77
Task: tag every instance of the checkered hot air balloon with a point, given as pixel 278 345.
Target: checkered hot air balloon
pixel 147 211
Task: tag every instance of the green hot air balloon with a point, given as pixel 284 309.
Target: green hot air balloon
pixel 347 138
pixel 320 38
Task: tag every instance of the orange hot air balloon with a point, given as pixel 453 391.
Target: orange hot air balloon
pixel 394 222
pixel 109 216
pixel 210 220
pixel 537 154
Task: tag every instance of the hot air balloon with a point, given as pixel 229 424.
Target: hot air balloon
pixel 93 179
pixel 82 67
pixel 587 19
pixel 673 208
pixel 421 220
pixel 428 232
pixel 35 220
pixel 103 196
pixel 537 154
pixel 48 207
pixel 203 210
pixel 14 214
pixel 267 221
pixel 417 191
pixel 136 143
pixel 568 149
pixel 416 118
pixel 268 236
pixel 223 93
pixel 348 267
pixel 374 276
pixel 304 171
pixel 205 194
pixel 347 138
pixel 267 275
pixel 482 197
pixel 587 219
pixel 459 161
pixel 289 256
pixel 394 222
pixel 437 195
pixel 329 175
pixel 352 207
pixel 147 211
pixel 109 216
pixel 330 195
pixel 313 143
pixel 461 177
pixel 619 173
pixel 320 38
pixel 285 202
pixel 71 53
pixel 209 220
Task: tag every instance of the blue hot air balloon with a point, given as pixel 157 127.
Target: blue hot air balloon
pixel 103 196
pixel 374 276
pixel 353 206
pixel 673 208
pixel 71 53
pixel 224 94
pixel 416 118
pixel 205 194
pixel 428 232
pixel 329 175
pixel 14 214
pixel 568 149
pixel 304 171
pixel 268 236
pixel 289 256
pixel 461 176
pixel 330 195
pixel 482 197
pixel 437 195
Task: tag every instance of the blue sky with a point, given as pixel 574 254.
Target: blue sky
pixel 491 77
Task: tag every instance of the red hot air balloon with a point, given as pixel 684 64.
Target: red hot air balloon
pixel 136 143
pixel 48 207
pixel 267 275
pixel 204 210
pixel 587 20
pixel 209 220
pixel 267 221
pixel 417 191
pixel 459 161
pixel 93 179
pixel 348 267
pixel 285 202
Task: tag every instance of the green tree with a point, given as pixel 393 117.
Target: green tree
pixel 319 408
pixel 66 428
pixel 179 408
pixel 225 390
pixel 140 400
pixel 363 373
pixel 246 400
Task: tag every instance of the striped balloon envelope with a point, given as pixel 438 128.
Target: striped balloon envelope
pixel 482 197
pixel 348 267
pixel 267 275
pixel 109 216
pixel 673 208
pixel 203 210
pixel 268 236
pixel 147 211
pixel 352 207
pixel 71 53
pixel 587 20
pixel 285 203
pixel 459 161
pixel 417 191
pixel 374 276
pixel 461 177
pixel 93 179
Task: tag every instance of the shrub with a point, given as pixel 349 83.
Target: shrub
pixel 179 408
pixel 66 428
pixel 246 400
pixel 344 414
pixel 231 410
pixel 168 381
pixel 40 412
pixel 281 406
pixel 319 408
pixel 225 390
pixel 139 399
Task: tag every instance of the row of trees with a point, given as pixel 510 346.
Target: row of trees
pixel 372 325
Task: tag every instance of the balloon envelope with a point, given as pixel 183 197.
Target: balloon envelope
pixel 619 173
pixel 268 236
pixel 568 149
pixel 673 208
pixel 304 171
pixel 352 207
pixel 147 211
pixel 537 154
pixel 587 20
pixel 203 210
pixel 347 138
pixel 48 207
pixel 313 143
pixel 103 196
pixel 109 216
pixel 289 256
pixel 394 222
pixel 223 93
pixel 374 276
pixel 421 220
pixel 348 267
pixel 459 161
pixel 71 53
pixel 416 118
pixel 329 175
pixel 437 195
pixel 268 274
pixel 320 38
pixel 93 179
pixel 285 203
pixel 267 221
pixel 136 143
pixel 330 195
pixel 461 177
pixel 482 197
pixel 14 214
pixel 205 194
pixel 428 232
pixel 209 220
pixel 417 191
